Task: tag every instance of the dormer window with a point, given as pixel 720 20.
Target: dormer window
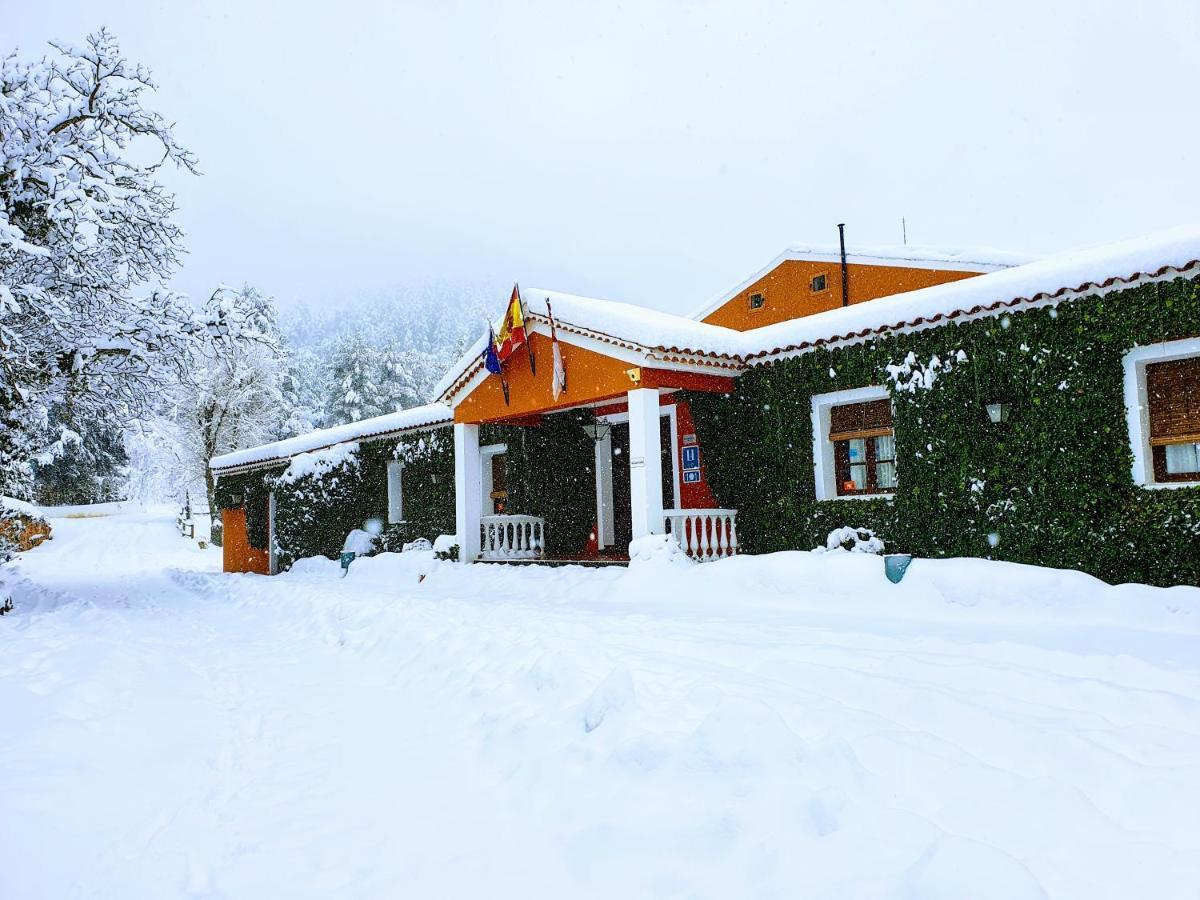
pixel 757 301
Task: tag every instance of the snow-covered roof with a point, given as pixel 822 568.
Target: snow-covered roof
pixel 415 419
pixel 1052 279
pixel 658 335
pixel 952 259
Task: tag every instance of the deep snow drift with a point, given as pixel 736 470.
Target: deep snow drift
pixel 785 726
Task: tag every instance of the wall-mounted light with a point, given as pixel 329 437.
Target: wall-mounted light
pixel 597 430
pixel 998 411
pixel 236 500
pixel 635 375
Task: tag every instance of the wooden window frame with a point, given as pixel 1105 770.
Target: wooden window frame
pixel 874 420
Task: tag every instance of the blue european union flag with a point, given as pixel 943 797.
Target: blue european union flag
pixel 491 361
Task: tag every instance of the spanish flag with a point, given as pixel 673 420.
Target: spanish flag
pixel 512 331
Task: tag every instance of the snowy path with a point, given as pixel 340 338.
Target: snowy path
pixel 175 732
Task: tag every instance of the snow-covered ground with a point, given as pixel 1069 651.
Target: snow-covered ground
pixel 786 726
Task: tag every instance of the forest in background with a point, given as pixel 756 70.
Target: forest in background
pixel 111 385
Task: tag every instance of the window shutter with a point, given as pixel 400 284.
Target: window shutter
pixel 1173 393
pixel 860 420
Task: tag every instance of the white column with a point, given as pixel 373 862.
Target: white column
pixel 468 490
pixel 645 463
pixel 604 493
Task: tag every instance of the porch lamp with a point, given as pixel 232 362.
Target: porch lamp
pixel 597 430
pixel 998 411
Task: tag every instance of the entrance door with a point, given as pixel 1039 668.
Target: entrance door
pixel 622 514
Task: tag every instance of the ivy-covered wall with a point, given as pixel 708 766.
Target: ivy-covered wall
pixel 550 474
pixel 1052 486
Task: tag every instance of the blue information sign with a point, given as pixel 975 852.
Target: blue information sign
pixel 691 458
pixel 691 476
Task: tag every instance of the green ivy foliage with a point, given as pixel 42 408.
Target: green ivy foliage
pixel 428 484
pixel 314 513
pixel 551 473
pixel 1052 486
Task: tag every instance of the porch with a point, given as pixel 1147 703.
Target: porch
pixel 604 370
pixel 704 534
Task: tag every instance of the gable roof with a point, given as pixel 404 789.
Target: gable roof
pixel 1063 276
pixel 653 336
pixel 951 259
pixel 419 418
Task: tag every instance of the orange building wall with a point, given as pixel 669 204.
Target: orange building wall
pixel 590 376
pixel 237 554
pixel 787 294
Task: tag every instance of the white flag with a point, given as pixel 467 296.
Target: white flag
pixel 558 378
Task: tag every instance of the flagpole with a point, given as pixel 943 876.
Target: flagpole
pixel 528 332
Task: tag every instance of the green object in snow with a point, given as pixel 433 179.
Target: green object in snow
pixel 895 565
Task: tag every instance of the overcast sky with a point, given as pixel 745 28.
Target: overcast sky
pixel 656 153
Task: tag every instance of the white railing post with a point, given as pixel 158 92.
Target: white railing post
pixel 704 534
pixel 512 537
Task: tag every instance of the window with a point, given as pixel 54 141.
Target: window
pixel 499 492
pixel 854 446
pixel 1173 400
pixel 757 301
pixel 1162 400
pixel 864 448
pixel 395 473
pixel 818 283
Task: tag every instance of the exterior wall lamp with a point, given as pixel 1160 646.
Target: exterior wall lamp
pixel 998 411
pixel 597 431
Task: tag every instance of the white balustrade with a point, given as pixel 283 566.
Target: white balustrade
pixel 512 537
pixel 704 534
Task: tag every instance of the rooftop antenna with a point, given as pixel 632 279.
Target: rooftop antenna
pixel 904 230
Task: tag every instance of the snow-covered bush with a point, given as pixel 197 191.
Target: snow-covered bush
pixel 853 540
pixel 445 547
pixel 658 550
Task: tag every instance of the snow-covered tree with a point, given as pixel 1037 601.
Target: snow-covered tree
pixel 353 387
pixel 303 388
pixel 85 228
pixel 229 396
pixel 85 464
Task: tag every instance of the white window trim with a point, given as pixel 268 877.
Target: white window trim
pixel 1137 407
pixel 824 465
pixel 485 474
pixel 395 488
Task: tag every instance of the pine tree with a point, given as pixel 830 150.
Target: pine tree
pixel 353 391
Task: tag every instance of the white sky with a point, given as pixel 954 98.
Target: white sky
pixel 652 152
